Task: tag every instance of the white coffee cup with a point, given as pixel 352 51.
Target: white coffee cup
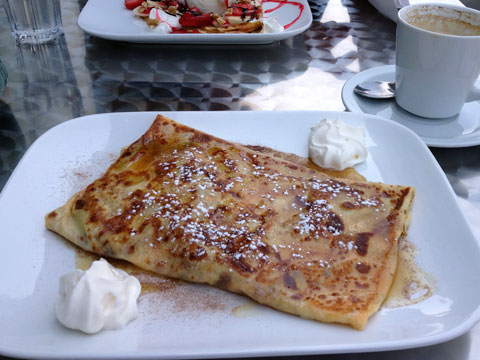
pixel 438 58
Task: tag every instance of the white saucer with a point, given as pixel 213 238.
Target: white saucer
pixel 458 131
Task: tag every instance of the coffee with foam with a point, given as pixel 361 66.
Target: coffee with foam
pixel 437 58
pixel 444 21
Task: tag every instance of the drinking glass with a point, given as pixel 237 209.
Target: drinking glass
pixel 34 21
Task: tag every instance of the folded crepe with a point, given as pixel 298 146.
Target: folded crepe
pixel 188 205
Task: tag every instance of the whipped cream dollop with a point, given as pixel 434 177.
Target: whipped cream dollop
pixel 271 25
pixel 101 297
pixel 337 146
pixel 166 21
pixel 207 6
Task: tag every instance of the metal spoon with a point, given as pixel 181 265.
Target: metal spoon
pixel 386 90
pixel 376 89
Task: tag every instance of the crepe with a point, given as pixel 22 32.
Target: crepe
pixel 187 205
pixel 242 16
pixel 247 27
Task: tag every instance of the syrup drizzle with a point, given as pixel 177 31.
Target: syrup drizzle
pixel 157 16
pixel 282 3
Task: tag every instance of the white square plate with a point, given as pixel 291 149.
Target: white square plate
pixel 109 19
pixel 198 321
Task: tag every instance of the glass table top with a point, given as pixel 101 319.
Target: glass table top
pixel 82 75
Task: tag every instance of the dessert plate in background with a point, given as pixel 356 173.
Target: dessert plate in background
pixel 109 19
pixel 198 321
pixel 461 130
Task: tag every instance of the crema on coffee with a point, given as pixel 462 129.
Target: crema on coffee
pixel 444 25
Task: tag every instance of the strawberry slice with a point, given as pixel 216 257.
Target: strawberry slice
pixel 132 4
pixel 243 10
pixel 190 20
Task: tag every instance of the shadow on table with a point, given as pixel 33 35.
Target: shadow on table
pixel 12 143
pixel 187 77
pixel 50 91
pixel 42 90
pixel 455 160
pixel 456 349
pixel 462 167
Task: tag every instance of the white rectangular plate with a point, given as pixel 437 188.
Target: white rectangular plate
pixel 197 321
pixel 109 19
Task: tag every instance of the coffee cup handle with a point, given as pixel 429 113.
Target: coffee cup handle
pixel 474 94
pixel 401 3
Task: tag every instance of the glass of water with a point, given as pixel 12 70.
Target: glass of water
pixel 34 21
